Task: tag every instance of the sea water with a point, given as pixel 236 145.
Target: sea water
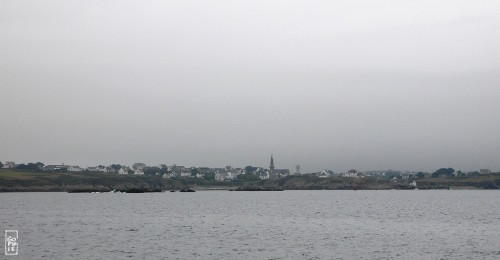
pixel 430 224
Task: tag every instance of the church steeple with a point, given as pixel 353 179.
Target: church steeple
pixel 271 166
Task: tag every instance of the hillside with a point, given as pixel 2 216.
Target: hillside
pixel 27 181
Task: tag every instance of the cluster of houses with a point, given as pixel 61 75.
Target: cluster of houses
pixel 228 173
pixel 353 173
pixel 174 171
pixel 260 172
pixel 328 173
pixel 404 175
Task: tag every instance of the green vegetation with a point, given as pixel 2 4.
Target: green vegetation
pixel 17 180
pixel 420 175
pixel 392 174
pixel 477 182
pixel 443 172
pixel 116 167
pixel 250 169
pixel 11 180
pixel 308 182
pixel 209 176
pixel 194 171
pixel 247 178
pixel 31 167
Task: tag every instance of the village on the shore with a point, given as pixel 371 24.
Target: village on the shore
pixel 229 173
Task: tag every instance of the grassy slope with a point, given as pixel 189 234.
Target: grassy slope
pixel 20 181
pixel 27 181
pixel 485 182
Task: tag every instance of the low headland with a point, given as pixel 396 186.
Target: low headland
pixel 22 181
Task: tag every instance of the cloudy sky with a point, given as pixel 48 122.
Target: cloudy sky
pixel 409 85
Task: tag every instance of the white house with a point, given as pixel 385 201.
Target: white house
pixel 221 176
pixel 264 175
pixel 138 172
pixel 233 174
pixel 185 173
pixel 324 174
pixel 74 168
pixel 123 170
pixel 102 168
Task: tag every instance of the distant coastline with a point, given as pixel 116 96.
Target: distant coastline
pixel 21 181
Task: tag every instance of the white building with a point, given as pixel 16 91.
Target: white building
pixel 74 169
pixel 324 174
pixel 123 171
pixel 351 174
pixel 264 175
pixel 222 176
pixel 102 168
pixel 233 174
pixel 185 173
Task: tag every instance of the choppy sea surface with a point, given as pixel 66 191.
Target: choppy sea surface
pixel 435 224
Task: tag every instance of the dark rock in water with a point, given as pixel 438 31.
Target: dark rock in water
pixel 88 190
pixel 103 190
pixel 135 190
pixel 257 189
pixel 188 190
pixel 79 191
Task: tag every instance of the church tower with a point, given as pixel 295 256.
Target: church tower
pixel 271 165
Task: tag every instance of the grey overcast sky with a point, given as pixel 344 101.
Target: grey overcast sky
pixel 409 85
